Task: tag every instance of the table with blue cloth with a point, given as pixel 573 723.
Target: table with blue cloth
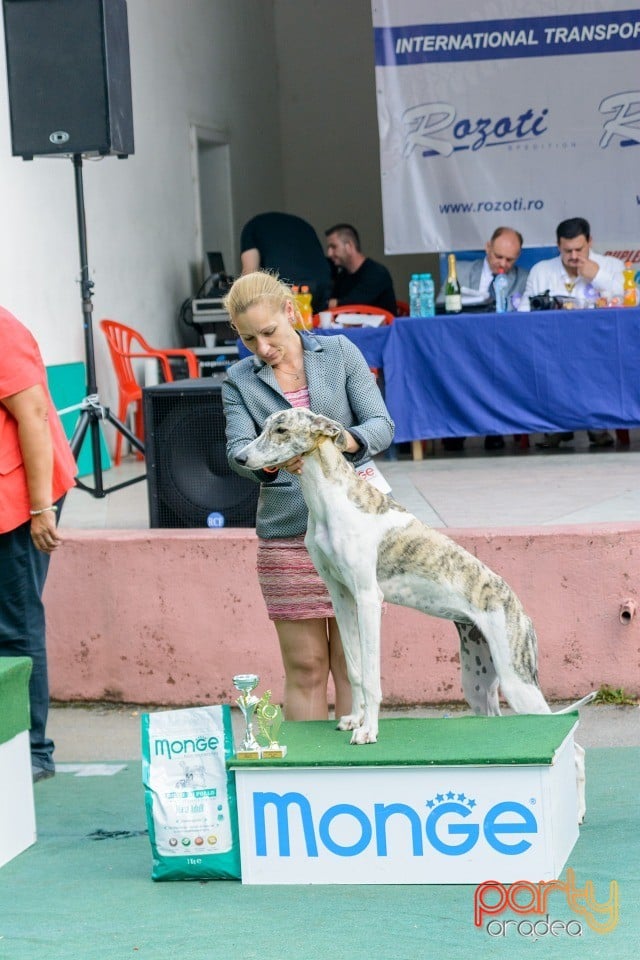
pixel 473 374
pixel 478 374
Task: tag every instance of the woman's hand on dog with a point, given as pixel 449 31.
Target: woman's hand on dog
pixel 296 464
pixel 293 466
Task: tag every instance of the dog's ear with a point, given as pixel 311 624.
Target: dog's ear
pixel 340 439
pixel 330 428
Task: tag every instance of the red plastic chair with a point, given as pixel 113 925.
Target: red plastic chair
pixel 403 308
pixel 365 309
pixel 126 344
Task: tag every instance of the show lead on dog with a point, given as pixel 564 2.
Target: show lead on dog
pixel 36 470
pixel 330 376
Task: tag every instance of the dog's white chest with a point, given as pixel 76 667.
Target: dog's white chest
pixel 345 539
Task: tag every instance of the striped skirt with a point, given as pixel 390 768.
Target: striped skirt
pixel 290 584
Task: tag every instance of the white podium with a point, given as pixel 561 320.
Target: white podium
pixel 434 801
pixel 17 809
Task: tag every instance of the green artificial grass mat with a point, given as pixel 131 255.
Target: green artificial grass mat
pixel 73 896
pixel 414 741
pixel 14 697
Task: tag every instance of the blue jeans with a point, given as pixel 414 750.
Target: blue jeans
pixel 22 627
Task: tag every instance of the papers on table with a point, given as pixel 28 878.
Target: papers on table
pixel 472 298
pixel 358 320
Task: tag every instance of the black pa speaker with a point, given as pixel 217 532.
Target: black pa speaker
pixel 69 77
pixel 188 477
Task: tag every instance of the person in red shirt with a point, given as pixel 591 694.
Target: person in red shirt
pixel 36 471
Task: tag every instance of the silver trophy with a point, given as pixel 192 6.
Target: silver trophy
pixel 246 683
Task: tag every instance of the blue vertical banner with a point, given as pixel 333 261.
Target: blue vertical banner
pixel 489 116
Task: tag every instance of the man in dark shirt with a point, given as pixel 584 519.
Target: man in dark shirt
pixel 290 246
pixel 358 278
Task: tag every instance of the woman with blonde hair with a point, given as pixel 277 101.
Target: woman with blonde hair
pixel 330 376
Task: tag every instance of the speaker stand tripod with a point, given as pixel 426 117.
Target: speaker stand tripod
pixel 92 410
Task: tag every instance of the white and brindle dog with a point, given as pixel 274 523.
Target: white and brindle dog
pixel 367 548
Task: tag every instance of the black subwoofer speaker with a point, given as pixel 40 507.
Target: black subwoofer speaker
pixel 188 477
pixel 69 77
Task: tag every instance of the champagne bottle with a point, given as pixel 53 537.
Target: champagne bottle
pixel 452 298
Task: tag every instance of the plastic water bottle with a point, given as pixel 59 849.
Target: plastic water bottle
pixel 590 297
pixel 427 296
pixel 500 284
pixel 414 295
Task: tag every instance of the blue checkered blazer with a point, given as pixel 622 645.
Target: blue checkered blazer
pixel 341 387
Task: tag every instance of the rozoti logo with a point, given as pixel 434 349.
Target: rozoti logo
pixel 170 748
pixel 624 124
pixel 491 899
pixel 451 826
pixel 434 129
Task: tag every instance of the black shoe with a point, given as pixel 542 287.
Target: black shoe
pixel 553 440
pixel 41 773
pixel 453 443
pixel 494 443
pixel 600 439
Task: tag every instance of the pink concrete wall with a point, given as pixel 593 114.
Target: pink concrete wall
pixel 168 617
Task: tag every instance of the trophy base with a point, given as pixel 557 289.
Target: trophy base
pixel 249 754
pixel 274 753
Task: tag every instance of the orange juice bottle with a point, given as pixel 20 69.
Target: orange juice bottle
pixel 630 297
pixel 306 310
pixel 297 322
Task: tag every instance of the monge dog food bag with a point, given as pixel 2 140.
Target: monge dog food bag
pixel 190 798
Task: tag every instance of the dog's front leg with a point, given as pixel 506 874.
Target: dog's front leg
pixel 345 610
pixel 369 609
pixel 359 624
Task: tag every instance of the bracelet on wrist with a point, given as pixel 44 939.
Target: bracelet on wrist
pixel 36 513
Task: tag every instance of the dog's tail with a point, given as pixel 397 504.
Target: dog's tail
pixel 579 703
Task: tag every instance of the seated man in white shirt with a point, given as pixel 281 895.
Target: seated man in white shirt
pixel 580 273
pixel 576 269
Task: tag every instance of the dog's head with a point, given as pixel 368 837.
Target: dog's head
pixel 288 434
